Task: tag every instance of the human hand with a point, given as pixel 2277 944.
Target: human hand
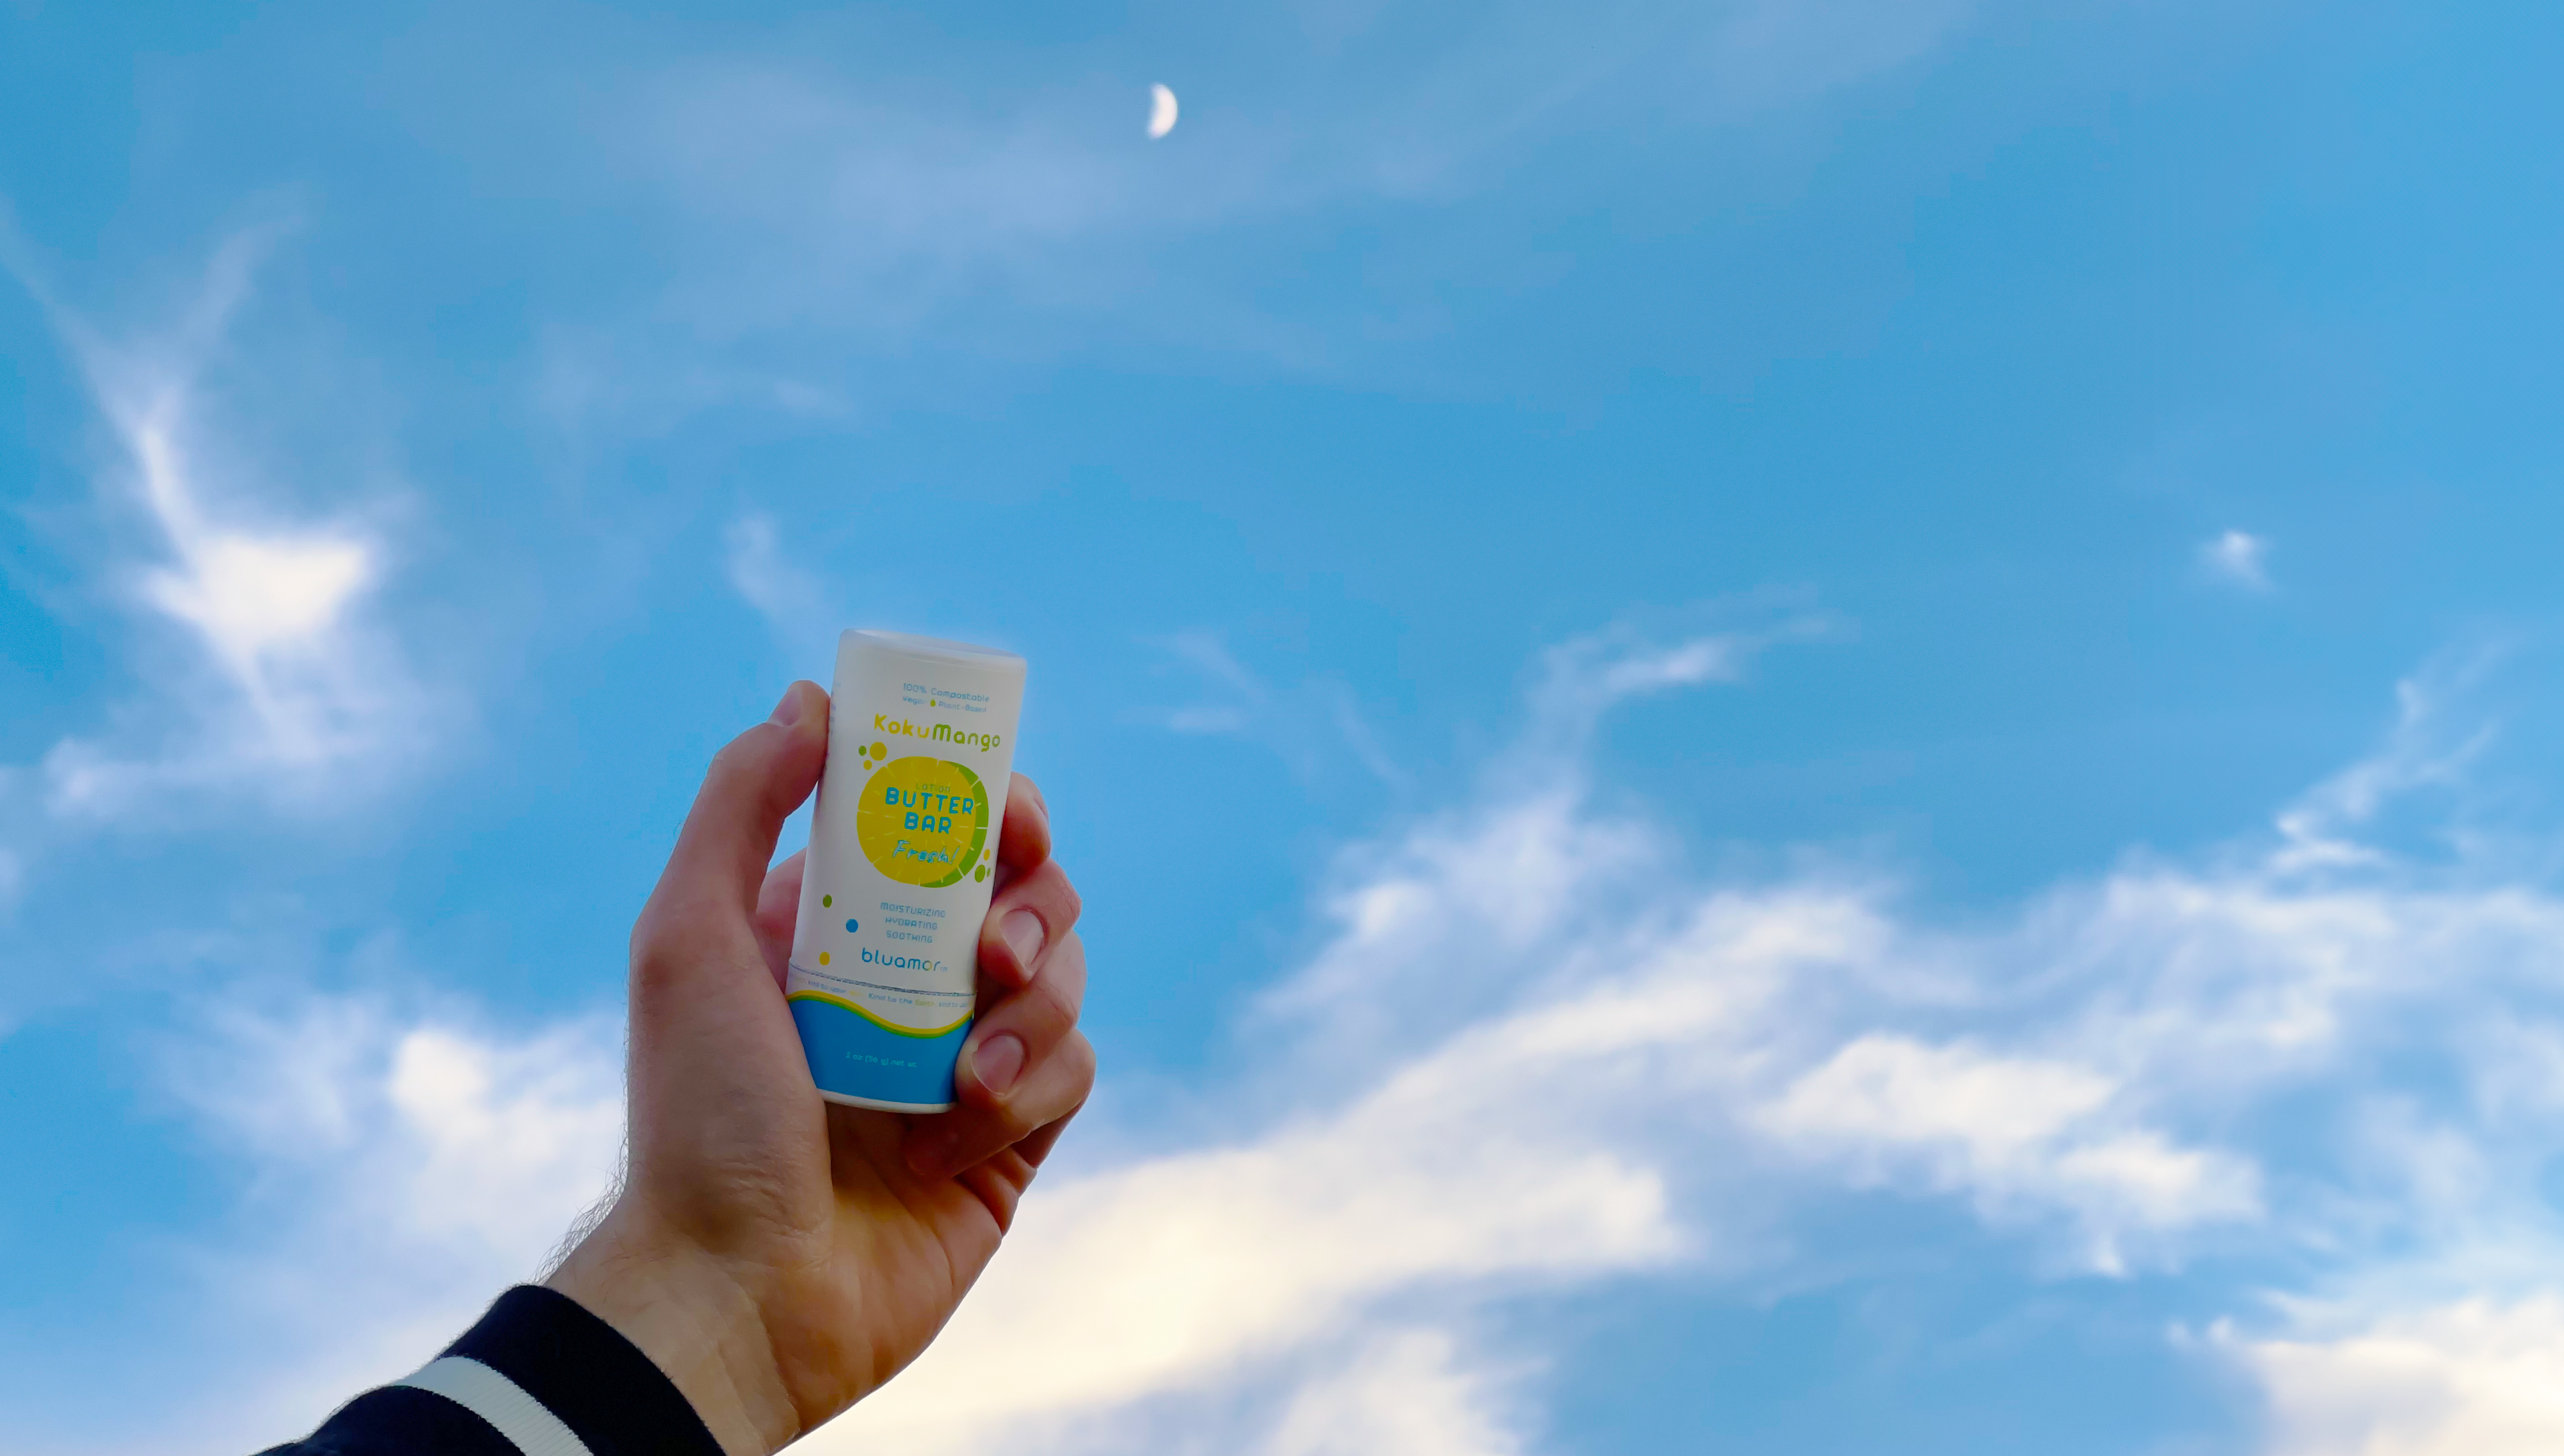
pixel 779 1257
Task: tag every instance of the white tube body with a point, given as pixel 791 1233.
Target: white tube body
pixel 903 859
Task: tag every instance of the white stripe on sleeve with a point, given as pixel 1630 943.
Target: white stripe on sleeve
pixel 501 1402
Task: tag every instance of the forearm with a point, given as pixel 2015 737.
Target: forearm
pixel 697 1325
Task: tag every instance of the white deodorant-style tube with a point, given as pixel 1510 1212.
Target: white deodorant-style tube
pixel 903 860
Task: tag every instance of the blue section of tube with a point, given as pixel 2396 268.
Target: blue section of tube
pixel 852 1057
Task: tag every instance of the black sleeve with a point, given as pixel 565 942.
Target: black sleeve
pixel 538 1377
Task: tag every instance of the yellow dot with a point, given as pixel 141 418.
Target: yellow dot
pixel 823 958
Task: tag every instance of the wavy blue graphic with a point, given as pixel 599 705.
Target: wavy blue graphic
pixel 854 1056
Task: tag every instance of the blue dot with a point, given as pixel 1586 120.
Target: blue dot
pixel 850 927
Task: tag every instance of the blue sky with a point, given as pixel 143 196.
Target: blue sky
pixel 1791 724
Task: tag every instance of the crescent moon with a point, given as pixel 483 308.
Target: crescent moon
pixel 1162 111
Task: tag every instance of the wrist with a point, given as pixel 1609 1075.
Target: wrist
pixel 697 1322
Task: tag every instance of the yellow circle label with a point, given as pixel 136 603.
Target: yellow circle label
pixel 922 821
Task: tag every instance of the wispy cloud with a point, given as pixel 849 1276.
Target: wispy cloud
pixel 2423 750
pixel 1537 1053
pixel 1307 724
pixel 792 599
pixel 2238 557
pixel 285 684
pixel 1768 53
pixel 409 1160
pixel 1703 1058
pixel 795 198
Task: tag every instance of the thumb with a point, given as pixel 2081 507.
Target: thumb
pixel 755 780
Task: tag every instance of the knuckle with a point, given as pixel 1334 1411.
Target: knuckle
pixel 1080 1055
pixel 1055 1005
pixel 655 962
pixel 1066 972
pixel 999 1121
pixel 1016 1122
pixel 650 949
pixel 1046 891
pixel 1068 988
pixel 741 754
pixel 1050 886
pixel 669 939
pixel 726 758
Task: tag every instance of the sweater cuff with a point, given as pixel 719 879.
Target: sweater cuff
pixel 585 1372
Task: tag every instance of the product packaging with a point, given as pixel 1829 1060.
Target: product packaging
pixel 903 859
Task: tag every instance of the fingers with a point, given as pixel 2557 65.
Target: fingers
pixel 779 908
pixel 1038 1017
pixel 757 779
pixel 1031 914
pixel 713 1075
pixel 1025 1066
pixel 1043 1138
pixel 939 1147
pixel 999 1181
pixel 1023 840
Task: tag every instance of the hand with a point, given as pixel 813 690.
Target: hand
pixel 777 1256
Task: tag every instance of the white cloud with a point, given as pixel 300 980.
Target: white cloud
pixel 1410 1392
pixel 1537 1053
pixel 2476 1377
pixel 2013 1131
pixel 285 686
pixel 407 1166
pixel 1187 1270
pixel 2240 558
pixel 1889 1090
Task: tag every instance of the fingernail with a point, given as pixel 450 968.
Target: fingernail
pixel 999 1061
pixel 1023 931
pixel 787 711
